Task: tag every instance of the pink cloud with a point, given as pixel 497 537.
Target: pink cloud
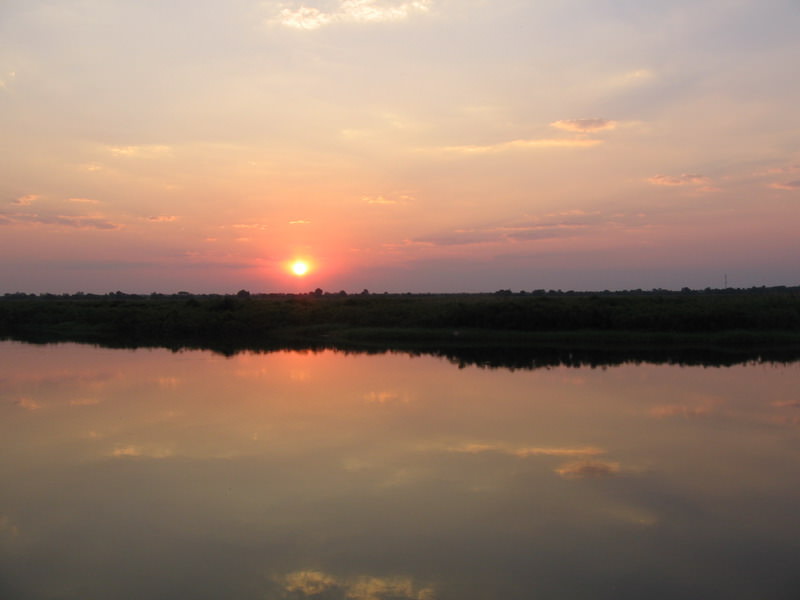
pixel 789 186
pixel 585 125
pixel 26 200
pixel 677 180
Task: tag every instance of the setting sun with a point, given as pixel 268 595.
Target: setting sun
pixel 299 267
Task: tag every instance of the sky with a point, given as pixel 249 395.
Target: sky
pixel 398 145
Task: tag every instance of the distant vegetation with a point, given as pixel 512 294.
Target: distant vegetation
pixel 759 321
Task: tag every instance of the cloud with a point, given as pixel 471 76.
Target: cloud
pixel 526 451
pixel 8 527
pixel 790 186
pixel 390 199
pixel 147 151
pixel 6 80
pixel 303 18
pixel 783 170
pixel 248 226
pixel 141 451
pixel 300 16
pixel 383 588
pixel 28 404
pixel 679 410
pixel 463 237
pixel 589 468
pixel 85 402
pixel 309 583
pixel 522 145
pixel 544 232
pixel 378 200
pixel 585 125
pixel 631 79
pixel 679 180
pixel 300 222
pixel 317 584
pixel 787 403
pixel 384 397
pixel 565 224
pixel 498 235
pixel 26 200
pixel 162 219
pixel 22 216
pixel 62 221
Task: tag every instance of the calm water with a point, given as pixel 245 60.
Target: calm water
pixel 147 474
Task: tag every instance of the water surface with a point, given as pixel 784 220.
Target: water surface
pixel 151 474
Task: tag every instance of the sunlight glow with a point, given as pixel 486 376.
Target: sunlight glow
pixel 300 268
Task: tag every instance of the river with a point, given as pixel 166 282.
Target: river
pixel 330 476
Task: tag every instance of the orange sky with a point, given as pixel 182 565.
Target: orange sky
pixel 428 145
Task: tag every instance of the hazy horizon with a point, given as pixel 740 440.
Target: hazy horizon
pixel 398 145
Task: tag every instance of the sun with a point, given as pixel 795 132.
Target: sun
pixel 299 268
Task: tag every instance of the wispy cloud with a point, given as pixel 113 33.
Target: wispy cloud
pixel 162 218
pixel 309 583
pixel 534 144
pixel 526 451
pixel 389 199
pixel 679 180
pixel 146 151
pixel 301 16
pixel 585 125
pixel 786 404
pixel 25 200
pixel 632 78
pixel 59 221
pixel 317 584
pixel 782 170
pixel 554 225
pixel 680 410
pixel 589 468
pixel 136 451
pixel 460 237
pixel 789 186
pixel 28 404
pixel 85 402
pixel 7 526
pixel 385 397
pixel 378 200
pixel 28 217
pixel 6 79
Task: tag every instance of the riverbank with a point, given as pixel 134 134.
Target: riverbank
pixel 761 323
